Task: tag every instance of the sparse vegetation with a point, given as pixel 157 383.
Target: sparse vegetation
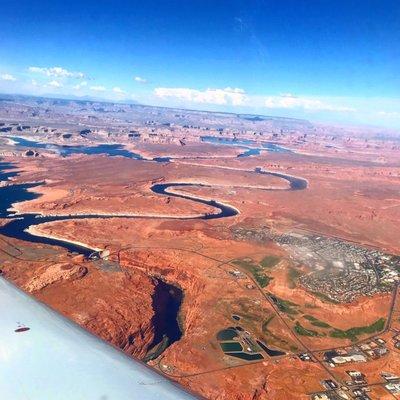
pixel 300 330
pixel 266 322
pixel 269 261
pixel 309 305
pixel 263 280
pixel 352 333
pixel 320 324
pixel 278 341
pixel 293 275
pixel 285 306
pixel 316 322
pixel 324 297
pixel 257 271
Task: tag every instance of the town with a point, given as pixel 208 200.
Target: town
pixel 340 271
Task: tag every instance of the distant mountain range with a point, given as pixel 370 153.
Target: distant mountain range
pixel 61 100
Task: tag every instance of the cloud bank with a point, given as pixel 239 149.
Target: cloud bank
pixel 58 72
pixel 227 96
pixel 289 101
pixel 238 97
pixel 140 79
pixel 98 88
pixel 8 77
pixel 55 84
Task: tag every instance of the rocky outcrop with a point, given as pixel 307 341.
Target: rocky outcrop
pixel 55 273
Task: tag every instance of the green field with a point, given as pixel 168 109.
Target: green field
pixel 300 330
pixel 316 322
pixel 285 306
pixel 256 270
pixel 269 261
pixel 352 333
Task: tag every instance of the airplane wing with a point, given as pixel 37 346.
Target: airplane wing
pixel 44 356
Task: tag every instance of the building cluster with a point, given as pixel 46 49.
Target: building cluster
pixel 305 357
pixel 331 395
pixel 368 350
pixel 393 382
pixel 339 270
pixel 237 274
pixel 356 387
pixel 396 340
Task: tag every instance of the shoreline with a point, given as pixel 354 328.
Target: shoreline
pixel 193 196
pixel 262 171
pixel 18 212
pixel 41 214
pixel 32 230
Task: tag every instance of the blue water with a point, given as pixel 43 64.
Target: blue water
pixel 250 152
pixel 162 159
pixel 245 143
pixel 111 150
pixel 5 172
pixel 114 150
pixel 227 141
pixel 167 299
pixel 225 210
pixel 276 148
pixel 270 352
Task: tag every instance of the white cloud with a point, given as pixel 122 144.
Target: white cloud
pixel 389 114
pixel 140 79
pixel 58 72
pixel 34 82
pixel 290 101
pixel 98 88
pixel 55 84
pixel 232 96
pixel 80 85
pixel 118 90
pixel 8 77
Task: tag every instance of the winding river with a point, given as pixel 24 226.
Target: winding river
pixel 251 147
pixel 166 325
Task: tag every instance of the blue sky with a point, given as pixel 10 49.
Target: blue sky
pixel 319 59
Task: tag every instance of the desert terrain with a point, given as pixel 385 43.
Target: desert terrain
pixel 246 258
